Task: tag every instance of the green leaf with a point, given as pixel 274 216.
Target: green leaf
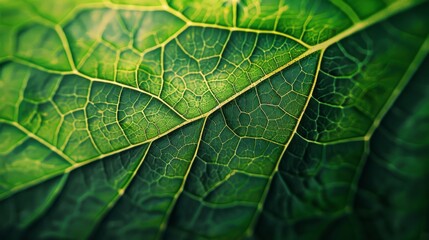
pixel 236 119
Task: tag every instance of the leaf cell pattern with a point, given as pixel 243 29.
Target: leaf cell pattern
pixel 247 119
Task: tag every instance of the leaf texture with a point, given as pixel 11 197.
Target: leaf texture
pixel 237 119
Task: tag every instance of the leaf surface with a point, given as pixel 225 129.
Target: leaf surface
pixel 245 119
